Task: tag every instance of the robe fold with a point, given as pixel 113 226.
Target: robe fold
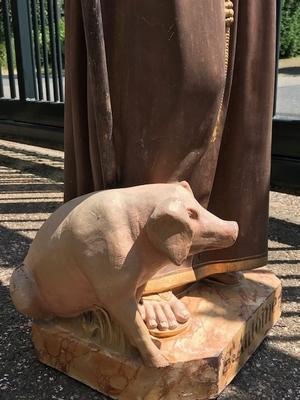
pixel 165 90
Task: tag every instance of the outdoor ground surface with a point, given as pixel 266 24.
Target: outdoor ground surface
pixel 288 88
pixel 30 188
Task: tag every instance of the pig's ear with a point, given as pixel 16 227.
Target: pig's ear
pixel 186 185
pixel 169 230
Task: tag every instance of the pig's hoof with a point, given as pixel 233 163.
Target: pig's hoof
pixel 158 361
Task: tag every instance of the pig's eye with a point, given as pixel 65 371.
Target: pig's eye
pixel 193 213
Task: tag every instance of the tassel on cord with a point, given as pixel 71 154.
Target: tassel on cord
pixel 229 20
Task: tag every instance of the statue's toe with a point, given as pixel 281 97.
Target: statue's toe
pixel 179 309
pixel 163 311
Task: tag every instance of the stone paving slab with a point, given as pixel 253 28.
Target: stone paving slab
pixel 31 187
pixel 288 88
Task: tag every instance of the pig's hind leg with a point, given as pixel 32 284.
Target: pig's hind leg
pixel 24 294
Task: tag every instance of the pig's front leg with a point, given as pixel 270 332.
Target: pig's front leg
pixel 127 315
pixel 116 290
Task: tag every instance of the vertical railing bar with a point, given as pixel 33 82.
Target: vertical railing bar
pixel 37 49
pixel 45 52
pixel 9 53
pixel 58 50
pixel 32 49
pixel 1 83
pixel 52 45
pixel 23 49
pixel 278 26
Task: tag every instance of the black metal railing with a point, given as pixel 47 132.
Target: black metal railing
pixel 285 138
pixel 32 84
pixel 32 69
pixel 33 53
pixel 7 32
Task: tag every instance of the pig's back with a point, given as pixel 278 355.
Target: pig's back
pixel 111 204
pixel 39 247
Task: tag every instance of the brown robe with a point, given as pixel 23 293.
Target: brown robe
pixel 150 98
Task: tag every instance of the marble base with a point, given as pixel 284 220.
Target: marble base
pixel 228 324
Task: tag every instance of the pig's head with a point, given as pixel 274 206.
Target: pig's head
pixel 179 226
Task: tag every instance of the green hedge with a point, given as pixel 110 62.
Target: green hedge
pixel 290 29
pixel 2 54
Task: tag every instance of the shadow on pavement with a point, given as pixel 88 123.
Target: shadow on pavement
pixel 31 167
pixel 284 232
pixel 13 247
pixel 270 374
pixel 289 70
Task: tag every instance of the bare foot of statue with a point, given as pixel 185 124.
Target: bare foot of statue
pixel 163 311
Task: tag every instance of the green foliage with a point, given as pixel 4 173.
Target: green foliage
pixel 61 29
pixel 290 29
pixel 2 44
pixel 2 54
pixel 62 38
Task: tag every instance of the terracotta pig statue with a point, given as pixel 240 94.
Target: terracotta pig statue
pixel 100 249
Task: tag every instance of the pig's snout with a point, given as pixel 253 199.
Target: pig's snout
pixel 215 234
pixel 231 232
pixel 225 235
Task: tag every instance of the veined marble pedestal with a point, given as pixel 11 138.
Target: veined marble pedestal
pixel 228 324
